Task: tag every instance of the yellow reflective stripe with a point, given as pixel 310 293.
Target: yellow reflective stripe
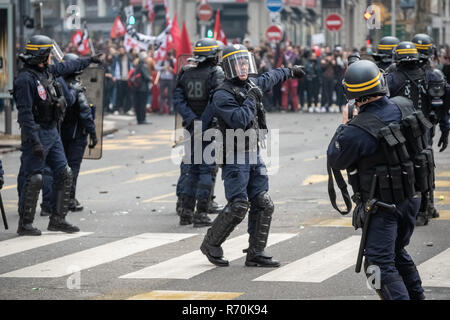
pixel 387 46
pixel 205 48
pixel 40 45
pixel 403 51
pixel 31 48
pixel 365 88
pixel 365 83
pixel 423 45
pixel 229 54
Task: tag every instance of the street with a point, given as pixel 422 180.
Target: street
pixel 131 245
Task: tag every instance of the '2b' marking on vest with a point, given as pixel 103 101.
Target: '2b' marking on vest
pixel 196 89
pixel 41 91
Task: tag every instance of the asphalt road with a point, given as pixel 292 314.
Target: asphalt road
pixel 132 247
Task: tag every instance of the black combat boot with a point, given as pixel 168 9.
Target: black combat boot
pixel 201 218
pixel 187 211
pixel 58 223
pixel 27 229
pixel 422 219
pixel 214 207
pixel 45 212
pixel 75 205
pixel 179 205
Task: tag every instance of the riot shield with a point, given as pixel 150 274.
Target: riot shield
pixel 182 60
pixel 93 78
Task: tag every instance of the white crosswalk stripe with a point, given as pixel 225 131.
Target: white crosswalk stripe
pixel 96 256
pixel 435 272
pixel 320 265
pixel 195 263
pixel 20 244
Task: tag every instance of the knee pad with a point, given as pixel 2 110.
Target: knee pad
pixel 35 182
pixel 64 175
pixel 263 202
pixel 239 209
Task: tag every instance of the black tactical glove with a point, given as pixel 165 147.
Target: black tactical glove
pixel 359 215
pixel 2 181
pixel 297 72
pixel 38 150
pixel 96 58
pixel 93 138
pixel 255 93
pixel 443 140
pixel 78 87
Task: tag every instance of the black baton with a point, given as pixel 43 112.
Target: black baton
pixel 5 222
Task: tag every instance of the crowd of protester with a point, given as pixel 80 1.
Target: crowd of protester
pixel 319 91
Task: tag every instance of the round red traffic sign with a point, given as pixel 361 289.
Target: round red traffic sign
pixel 333 22
pixel 274 33
pixel 204 12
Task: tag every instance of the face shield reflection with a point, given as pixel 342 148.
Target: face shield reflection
pixel 57 52
pixel 239 65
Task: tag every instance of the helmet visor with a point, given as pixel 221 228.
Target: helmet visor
pixel 57 52
pixel 239 64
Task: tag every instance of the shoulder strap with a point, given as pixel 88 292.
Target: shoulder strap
pixel 369 122
pixel 405 105
pixel 342 186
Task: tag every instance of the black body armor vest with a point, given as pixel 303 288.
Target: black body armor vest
pixel 196 88
pixel 53 107
pixel 404 163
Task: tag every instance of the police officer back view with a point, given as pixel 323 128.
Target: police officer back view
pixel 195 85
pixel 237 105
pixel 40 105
pixel 411 79
pixel 385 153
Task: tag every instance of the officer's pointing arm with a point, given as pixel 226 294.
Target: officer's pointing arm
pixel 69 67
pixel 269 79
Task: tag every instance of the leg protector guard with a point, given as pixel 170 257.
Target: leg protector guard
pixel 27 206
pixel 187 210
pixel 258 238
pixel 412 281
pixel 221 228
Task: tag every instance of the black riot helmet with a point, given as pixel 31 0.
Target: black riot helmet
pixel 406 52
pixel 71 57
pixel 436 83
pixel 353 57
pixel 424 45
pixel 238 61
pixel 206 49
pixel 386 48
pixel 363 79
pixel 38 49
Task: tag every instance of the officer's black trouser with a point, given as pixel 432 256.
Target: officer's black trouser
pixel 140 102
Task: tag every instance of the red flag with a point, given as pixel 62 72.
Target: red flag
pixel 218 32
pixel 185 46
pixel 118 29
pixel 175 38
pixel 80 40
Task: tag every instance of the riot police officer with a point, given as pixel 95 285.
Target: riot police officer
pixel 40 104
pixel 384 150
pixel 194 87
pixel 411 79
pixel 384 56
pixel 77 125
pixel 237 105
pixel 425 48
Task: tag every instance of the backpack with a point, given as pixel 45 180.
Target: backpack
pixel 134 78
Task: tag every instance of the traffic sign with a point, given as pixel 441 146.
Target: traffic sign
pixel 333 22
pixel 274 5
pixel 204 12
pixel 274 33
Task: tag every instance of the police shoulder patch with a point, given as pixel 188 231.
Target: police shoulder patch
pixel 41 91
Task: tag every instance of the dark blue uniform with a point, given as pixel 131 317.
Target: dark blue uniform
pixel 243 181
pixel 196 180
pixel 77 124
pixel 388 233
pixel 28 93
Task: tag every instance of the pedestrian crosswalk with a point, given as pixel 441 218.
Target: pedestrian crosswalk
pixel 315 268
